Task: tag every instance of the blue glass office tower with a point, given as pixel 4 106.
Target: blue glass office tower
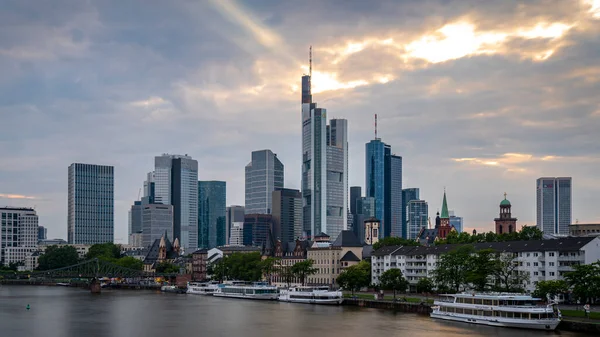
pixel 408 194
pixel 553 196
pixel 90 204
pixel 384 183
pixel 212 207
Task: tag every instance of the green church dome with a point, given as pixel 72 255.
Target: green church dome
pixel 505 202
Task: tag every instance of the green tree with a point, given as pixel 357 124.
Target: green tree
pixel 130 262
pixel 287 274
pixel 268 267
pixel 530 233
pixel 425 285
pixel 452 268
pixel 57 257
pixel 217 271
pixel 508 276
pixel 392 279
pixel 354 278
pixel 394 241
pixel 303 269
pixel 552 288
pixel 481 266
pixel 167 268
pixel 104 251
pixel 585 281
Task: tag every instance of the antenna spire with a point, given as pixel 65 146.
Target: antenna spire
pixel 375 126
pixel 310 61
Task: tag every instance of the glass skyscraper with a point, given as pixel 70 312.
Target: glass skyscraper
pixel 418 212
pixel 90 204
pixel 157 220
pixel 408 194
pixel 264 174
pixel 287 215
pixel 176 183
pixel 233 214
pixel 211 214
pixel 456 221
pixel 554 205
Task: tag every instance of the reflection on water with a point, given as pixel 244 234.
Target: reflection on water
pixel 67 312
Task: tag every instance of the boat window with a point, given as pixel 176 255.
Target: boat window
pixel 487 313
pixel 487 302
pixel 478 301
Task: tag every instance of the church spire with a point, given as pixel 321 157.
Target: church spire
pixel 444 214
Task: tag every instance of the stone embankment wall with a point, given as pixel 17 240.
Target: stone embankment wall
pixel 416 308
pixel 567 325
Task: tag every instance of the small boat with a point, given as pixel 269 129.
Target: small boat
pixel 172 289
pixel 498 309
pixel 202 288
pixel 63 284
pixel 245 290
pixel 312 295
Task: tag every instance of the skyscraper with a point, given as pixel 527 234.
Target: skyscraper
pixel 554 205
pixel 408 194
pixel 355 194
pixel 90 204
pixel 19 228
pixel 176 183
pixel 212 207
pixel 233 213
pixel 456 222
pixel 287 215
pixel 42 233
pixel 384 183
pixel 135 222
pixel 417 216
pixel 264 174
pixel 365 210
pixel 257 229
pixel 324 168
pixel 157 219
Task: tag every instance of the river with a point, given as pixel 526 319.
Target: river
pixel 71 312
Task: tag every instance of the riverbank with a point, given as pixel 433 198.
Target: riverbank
pixel 123 286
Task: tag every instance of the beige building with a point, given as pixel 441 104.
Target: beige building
pixel 331 258
pixel 587 229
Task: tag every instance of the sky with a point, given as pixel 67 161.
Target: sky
pixel 478 97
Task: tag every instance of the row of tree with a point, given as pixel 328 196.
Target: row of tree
pixel 63 256
pixel 583 283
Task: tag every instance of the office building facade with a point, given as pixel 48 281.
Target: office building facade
pixel 237 234
pixel 554 204
pixel 456 222
pixel 18 234
pixel 257 229
pixel 212 208
pixel 176 183
pixel 233 213
pixel 408 194
pixel 157 220
pixel 418 217
pixel 287 215
pixel 90 204
pixel 264 174
pixel 42 233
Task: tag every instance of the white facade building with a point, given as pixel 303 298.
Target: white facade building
pixel 18 234
pixel 237 234
pixel 542 260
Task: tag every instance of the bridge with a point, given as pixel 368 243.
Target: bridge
pixel 94 269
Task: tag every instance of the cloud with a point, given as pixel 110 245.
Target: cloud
pixel 15 196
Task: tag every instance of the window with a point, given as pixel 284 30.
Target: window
pixel 551 264
pixel 535 264
pixel 535 273
pixel 551 254
pixel 551 273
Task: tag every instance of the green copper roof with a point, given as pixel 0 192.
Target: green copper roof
pixel 505 202
pixel 444 214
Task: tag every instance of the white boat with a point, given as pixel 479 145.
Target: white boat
pixel 253 291
pixel 498 309
pixel 171 289
pixel 203 288
pixel 312 295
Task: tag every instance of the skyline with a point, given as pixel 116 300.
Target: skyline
pixel 512 101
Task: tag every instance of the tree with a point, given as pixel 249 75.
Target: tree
pixel 508 277
pixel 130 262
pixel 354 278
pixel 585 281
pixel 392 279
pixel 480 267
pixel 530 233
pixel 167 268
pixel 452 268
pixel 304 269
pixel 57 257
pixel 104 251
pixel 268 266
pixel 286 274
pixel 552 288
pixel 394 241
pixel 425 285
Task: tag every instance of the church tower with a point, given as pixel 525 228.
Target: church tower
pixel 444 220
pixel 505 223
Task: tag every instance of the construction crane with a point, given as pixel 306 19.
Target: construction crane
pixel 139 193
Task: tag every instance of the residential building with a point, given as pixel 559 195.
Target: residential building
pixel 264 174
pixel 135 221
pixel 584 229
pixel 384 183
pixel 90 204
pixel 418 218
pixel 18 234
pixel 237 234
pixel 212 207
pixel 324 168
pixel 258 229
pixel 554 205
pixel 541 260
pixel 505 223
pixel 331 258
pixel 176 183
pixel 42 233
pixel 287 214
pixel 456 221
pixel 372 228
pixel 233 213
pixel 157 219
pixel 408 194
pixel 199 265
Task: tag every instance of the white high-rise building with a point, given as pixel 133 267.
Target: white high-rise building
pixel 176 183
pixel 237 234
pixel 554 205
pixel 324 168
pixel 19 234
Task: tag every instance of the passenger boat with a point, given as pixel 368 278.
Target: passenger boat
pixel 172 289
pixel 312 295
pixel 253 291
pixel 204 288
pixel 498 309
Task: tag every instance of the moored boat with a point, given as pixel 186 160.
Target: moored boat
pixel 202 288
pixel 498 309
pixel 253 291
pixel 311 295
pixel 172 289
